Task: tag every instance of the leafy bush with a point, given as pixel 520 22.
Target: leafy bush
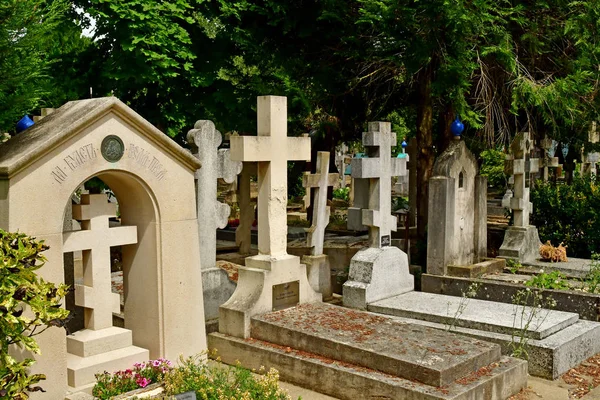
pixel 141 375
pixel 222 382
pixel 21 289
pixel 568 214
pixel 592 278
pixel 342 193
pixel 552 280
pixel 493 168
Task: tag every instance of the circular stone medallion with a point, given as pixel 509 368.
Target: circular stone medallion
pixel 112 148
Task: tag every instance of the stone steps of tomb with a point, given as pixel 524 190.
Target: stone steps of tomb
pixel 558 341
pixel 81 370
pixel 355 354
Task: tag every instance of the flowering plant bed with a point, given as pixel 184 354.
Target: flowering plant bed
pixel 158 379
pixel 140 376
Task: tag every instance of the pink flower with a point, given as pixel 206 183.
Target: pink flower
pixel 142 382
pixel 156 363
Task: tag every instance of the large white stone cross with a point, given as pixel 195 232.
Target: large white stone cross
pixel 379 168
pixel 520 165
pixel 320 219
pixel 272 149
pixel 95 240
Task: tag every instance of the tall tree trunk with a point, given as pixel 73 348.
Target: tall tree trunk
pixel 425 152
pixel 445 120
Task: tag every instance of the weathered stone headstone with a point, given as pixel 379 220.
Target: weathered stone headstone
pixel 243 233
pixel 205 140
pixel 340 162
pixel 521 241
pixel 381 270
pixel 458 205
pixel 590 159
pixel 153 179
pixel 317 263
pixel 549 161
pixel 271 149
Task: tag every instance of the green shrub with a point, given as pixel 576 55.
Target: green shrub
pixel 222 382
pixel 568 214
pixel 493 168
pixel 21 289
pixel 342 194
pixel 552 280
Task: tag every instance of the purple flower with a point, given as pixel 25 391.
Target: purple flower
pixel 142 382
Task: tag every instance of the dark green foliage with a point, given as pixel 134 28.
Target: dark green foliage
pixel 493 168
pixel 568 214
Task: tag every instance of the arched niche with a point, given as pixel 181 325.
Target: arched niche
pixel 153 179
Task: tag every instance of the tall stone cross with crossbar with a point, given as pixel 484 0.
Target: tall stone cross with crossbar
pixel 521 166
pixel 379 168
pixel 95 240
pixel 320 180
pixel 271 149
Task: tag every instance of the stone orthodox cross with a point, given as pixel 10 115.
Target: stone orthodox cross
pixel 320 219
pixel 272 149
pixel 379 168
pixel 216 163
pixel 548 161
pixel 521 166
pixel 95 240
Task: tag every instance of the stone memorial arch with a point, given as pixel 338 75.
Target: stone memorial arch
pixel 153 179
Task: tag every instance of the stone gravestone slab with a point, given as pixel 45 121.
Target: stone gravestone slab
pixel 216 163
pixel 381 270
pixel 271 149
pixel 590 159
pixel 521 241
pixel 458 204
pixel 317 263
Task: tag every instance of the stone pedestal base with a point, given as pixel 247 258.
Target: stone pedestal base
pixel 376 274
pixel 255 292
pixel 91 352
pixel 521 243
pixel 217 289
pixel 319 274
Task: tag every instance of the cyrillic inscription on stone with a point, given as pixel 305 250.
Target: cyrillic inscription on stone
pixel 286 295
pixel 145 160
pixel 73 161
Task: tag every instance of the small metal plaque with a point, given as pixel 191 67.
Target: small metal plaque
pixel 386 240
pixel 186 396
pixel 112 148
pixel 286 295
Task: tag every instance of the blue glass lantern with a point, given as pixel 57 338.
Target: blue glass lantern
pixel 404 144
pixel 24 123
pixel 457 128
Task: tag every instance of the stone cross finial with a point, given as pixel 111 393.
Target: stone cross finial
pixel 320 181
pixel 216 163
pixel 548 161
pixel 95 240
pixel 272 149
pixel 378 168
pixel 521 166
pixel 340 162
